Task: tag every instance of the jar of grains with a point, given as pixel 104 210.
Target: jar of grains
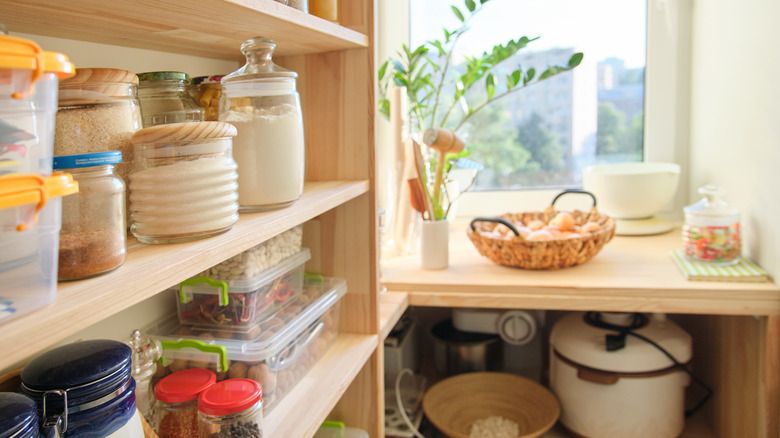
pixel 98 112
pixel 165 98
pixel 94 227
pixel 232 408
pixel 177 401
pixel 260 99
pixel 184 182
pixel 206 91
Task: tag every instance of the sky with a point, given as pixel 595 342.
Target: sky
pixel 599 28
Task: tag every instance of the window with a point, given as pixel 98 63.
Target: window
pixel 545 134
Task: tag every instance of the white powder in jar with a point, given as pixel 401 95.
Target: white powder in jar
pixel 494 427
pixel 184 198
pixel 269 151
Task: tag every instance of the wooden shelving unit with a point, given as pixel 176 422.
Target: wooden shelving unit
pixel 734 325
pixel 336 82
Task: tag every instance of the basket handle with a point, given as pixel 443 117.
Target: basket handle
pixel 585 192
pixel 499 220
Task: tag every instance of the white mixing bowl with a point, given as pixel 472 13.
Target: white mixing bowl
pixel 632 190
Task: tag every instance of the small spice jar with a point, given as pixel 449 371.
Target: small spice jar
pixel 18 416
pixel 146 353
pixel 98 112
pixel 232 408
pixel 711 232
pixel 261 101
pixel 177 401
pixel 84 389
pixel 165 99
pixel 184 183
pixel 206 90
pixel 93 234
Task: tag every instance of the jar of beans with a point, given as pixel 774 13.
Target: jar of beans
pixel 177 402
pixel 232 408
pixel 93 233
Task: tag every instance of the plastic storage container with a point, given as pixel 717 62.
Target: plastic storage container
pixel 18 416
pixel 711 232
pixel 206 91
pixel 280 350
pixel 85 389
pixel 30 220
pixel 28 102
pixel 177 402
pixel 337 429
pixel 183 185
pixel 92 239
pixel 165 98
pixel 241 303
pixel 231 408
pixel 260 99
pixel 98 112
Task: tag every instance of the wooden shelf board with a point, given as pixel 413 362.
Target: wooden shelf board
pixel 300 413
pixel 392 306
pixel 629 274
pixel 208 28
pixel 150 269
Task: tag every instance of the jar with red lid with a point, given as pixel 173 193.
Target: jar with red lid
pixel 711 232
pixel 231 408
pixel 177 401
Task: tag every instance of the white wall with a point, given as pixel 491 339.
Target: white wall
pixel 735 115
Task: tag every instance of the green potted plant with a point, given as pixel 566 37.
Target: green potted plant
pixel 443 97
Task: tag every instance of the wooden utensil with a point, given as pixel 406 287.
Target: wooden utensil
pixel 445 142
pixel 420 166
pixel 416 195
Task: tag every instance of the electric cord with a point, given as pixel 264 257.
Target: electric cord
pixel 617 342
pixel 401 409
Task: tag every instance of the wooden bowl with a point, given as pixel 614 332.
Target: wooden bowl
pixel 453 404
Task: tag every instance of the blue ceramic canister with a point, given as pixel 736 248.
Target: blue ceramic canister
pixel 84 389
pixel 18 416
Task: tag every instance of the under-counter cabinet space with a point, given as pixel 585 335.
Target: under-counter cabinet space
pixel 338 207
pixel 734 326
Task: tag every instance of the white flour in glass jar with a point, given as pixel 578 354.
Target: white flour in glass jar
pixel 184 197
pixel 269 152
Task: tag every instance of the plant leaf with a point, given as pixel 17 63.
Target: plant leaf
pixel 575 59
pixel 458 13
pixel 529 76
pixel 490 85
pixel 382 70
pixel 471 5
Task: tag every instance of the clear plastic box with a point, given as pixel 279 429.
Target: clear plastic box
pixel 283 348
pixel 208 301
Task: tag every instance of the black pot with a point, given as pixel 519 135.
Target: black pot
pixel 456 352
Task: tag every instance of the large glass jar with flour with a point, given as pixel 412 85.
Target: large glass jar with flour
pixel 261 101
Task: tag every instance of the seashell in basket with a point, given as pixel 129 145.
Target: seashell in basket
pixel 513 249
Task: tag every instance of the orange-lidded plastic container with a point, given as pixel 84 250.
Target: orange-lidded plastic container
pixel 29 78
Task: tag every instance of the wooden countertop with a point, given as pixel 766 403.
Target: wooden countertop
pixel 631 273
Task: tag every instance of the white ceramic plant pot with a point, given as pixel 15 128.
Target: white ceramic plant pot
pixel 434 244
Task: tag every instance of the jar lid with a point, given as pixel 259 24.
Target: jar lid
pixel 185 131
pixel 18 416
pixel 578 338
pixel 21 53
pixel 207 79
pixel 87 160
pixel 76 364
pixel 184 385
pixel 259 52
pixel 230 396
pixel 712 203
pixel 100 76
pixel 163 76
pixel 17 190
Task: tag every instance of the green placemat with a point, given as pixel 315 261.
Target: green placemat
pixel 744 270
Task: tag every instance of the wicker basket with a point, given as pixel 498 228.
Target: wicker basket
pixel 547 254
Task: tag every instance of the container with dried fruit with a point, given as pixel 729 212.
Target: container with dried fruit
pixel 177 402
pixel 92 239
pixel 277 352
pixel 231 409
pixel 241 303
